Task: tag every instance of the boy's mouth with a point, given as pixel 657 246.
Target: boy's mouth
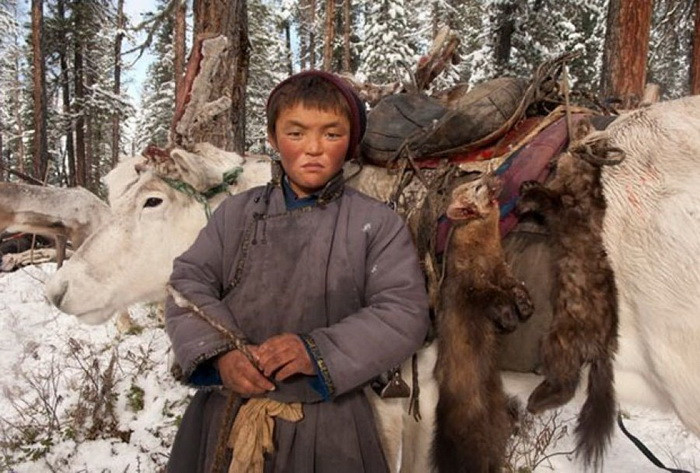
pixel 312 166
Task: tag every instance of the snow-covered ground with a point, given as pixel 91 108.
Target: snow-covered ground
pixel 79 398
pixel 59 394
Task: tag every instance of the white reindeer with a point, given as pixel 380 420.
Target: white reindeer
pixel 70 214
pixel 651 232
pixel 652 235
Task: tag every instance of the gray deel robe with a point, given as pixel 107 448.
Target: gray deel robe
pixel 344 274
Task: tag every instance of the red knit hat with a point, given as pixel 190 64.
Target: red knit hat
pixel 358 115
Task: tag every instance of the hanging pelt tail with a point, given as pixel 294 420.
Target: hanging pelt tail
pixel 596 420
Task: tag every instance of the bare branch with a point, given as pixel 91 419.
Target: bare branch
pixel 151 25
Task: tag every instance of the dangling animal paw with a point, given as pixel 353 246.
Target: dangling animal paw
pixel 523 302
pixel 549 395
pixel 504 316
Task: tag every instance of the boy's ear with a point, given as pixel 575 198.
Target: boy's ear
pixel 272 140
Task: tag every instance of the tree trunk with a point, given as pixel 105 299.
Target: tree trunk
pixel 288 45
pixel 90 161
pixel 435 23
pixel 230 18
pixel 179 45
pixel 239 54
pixel 505 27
pixel 695 54
pixel 2 157
pixel 65 96
pixel 39 92
pixel 22 153
pixel 312 34
pixel 117 80
pixel 625 52
pixel 80 161
pixel 347 25
pixel 308 38
pixel 329 36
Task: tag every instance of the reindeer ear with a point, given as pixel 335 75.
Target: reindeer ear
pixel 203 168
pixel 192 169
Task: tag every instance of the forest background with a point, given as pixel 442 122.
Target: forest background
pixel 66 115
pixel 75 398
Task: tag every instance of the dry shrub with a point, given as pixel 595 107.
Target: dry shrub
pixel 534 440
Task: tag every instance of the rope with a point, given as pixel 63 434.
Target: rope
pixel 643 448
pixel 229 178
pixel 413 403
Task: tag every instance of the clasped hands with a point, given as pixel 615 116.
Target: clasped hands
pixel 280 356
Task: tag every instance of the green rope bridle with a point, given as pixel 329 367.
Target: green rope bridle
pixel 230 177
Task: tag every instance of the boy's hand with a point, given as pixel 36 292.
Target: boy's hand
pixel 239 374
pixel 284 355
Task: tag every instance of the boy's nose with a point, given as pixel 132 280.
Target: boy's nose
pixel 314 146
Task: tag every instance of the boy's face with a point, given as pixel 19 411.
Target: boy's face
pixel 312 144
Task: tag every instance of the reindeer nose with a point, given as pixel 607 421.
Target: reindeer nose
pixel 57 292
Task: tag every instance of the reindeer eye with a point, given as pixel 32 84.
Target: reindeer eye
pixel 153 202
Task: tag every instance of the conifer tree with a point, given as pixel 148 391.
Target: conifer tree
pixel 670 45
pixel 15 108
pixel 268 66
pixel 388 48
pixel 158 94
pixel 519 35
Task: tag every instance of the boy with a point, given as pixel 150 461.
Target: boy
pixel 323 282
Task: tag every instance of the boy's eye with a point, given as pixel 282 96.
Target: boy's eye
pixel 294 134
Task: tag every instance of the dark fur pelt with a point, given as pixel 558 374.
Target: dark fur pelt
pixel 479 298
pixel 584 298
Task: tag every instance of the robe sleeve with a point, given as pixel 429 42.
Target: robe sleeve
pixel 199 275
pixel 394 321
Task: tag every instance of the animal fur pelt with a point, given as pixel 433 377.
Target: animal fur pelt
pixel 584 297
pixel 479 298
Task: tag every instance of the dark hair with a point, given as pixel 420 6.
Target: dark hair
pixel 322 90
pixel 312 92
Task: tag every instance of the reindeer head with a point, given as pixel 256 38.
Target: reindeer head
pixel 129 259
